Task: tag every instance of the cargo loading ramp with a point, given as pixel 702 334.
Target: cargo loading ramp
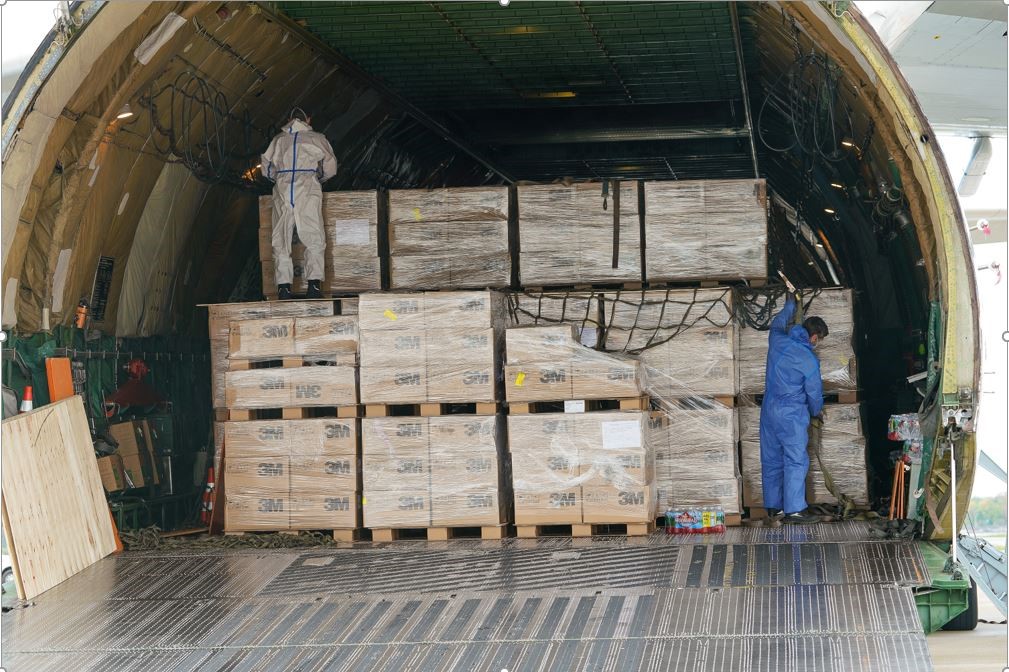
pixel 796 598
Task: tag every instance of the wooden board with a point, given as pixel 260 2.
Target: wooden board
pixel 55 515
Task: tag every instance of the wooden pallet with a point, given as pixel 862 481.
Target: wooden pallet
pixel 585 530
pixel 700 402
pixel 704 283
pixel 291 362
pixel 634 286
pixel 296 413
pixel 843 397
pixel 489 532
pixel 625 404
pixel 349 535
pixel 428 410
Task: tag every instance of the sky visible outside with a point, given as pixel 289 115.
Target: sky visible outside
pixel 24 23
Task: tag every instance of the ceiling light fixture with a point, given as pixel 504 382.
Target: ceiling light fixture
pixel 847 142
pixel 504 3
pixel 837 185
pixel 829 211
pixel 125 112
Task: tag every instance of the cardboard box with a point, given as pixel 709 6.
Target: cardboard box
pixel 385 437
pixel 627 468
pixel 335 510
pixel 529 345
pixel 432 310
pixel 401 471
pixel 266 339
pixel 542 382
pixel 326 335
pixel 111 469
pixel 323 436
pixel 136 447
pixel 618 505
pixel 331 473
pixel 468 506
pixel 462 384
pixel 394 385
pixel 251 475
pixel 554 507
pixel 479 470
pixel 292 388
pixel 396 508
pixel 394 348
pixel 254 511
pixel 610 379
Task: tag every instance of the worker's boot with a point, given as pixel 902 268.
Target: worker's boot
pixel 805 517
pixel 284 291
pixel 774 517
pixel 315 289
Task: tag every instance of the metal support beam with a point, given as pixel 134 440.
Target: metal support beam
pixel 987 566
pixel 984 459
pixel 976 168
pixel 355 71
pixel 734 13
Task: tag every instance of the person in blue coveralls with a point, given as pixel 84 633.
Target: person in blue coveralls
pixel 298 160
pixel 793 394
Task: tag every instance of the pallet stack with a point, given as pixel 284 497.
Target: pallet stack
pixel 291 436
pixel 449 238
pixel 433 445
pixel 579 469
pixel 350 220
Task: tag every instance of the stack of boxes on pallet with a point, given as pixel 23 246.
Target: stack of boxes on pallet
pixel 434 356
pixel 576 468
pixel 350 219
pixel 291 435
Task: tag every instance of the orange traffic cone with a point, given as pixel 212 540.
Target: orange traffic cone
pixel 207 510
pixel 26 400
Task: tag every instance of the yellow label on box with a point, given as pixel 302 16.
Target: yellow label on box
pixel 519 379
pixel 391 315
pixel 416 214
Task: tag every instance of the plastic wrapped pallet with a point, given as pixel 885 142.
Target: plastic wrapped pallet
pixel 836 352
pixel 292 474
pixel 566 236
pixel 686 339
pixel 842 452
pixel 223 314
pixel 444 471
pixel 695 456
pixel 449 238
pixel 350 220
pixel 549 364
pixel 293 336
pixel 706 230
pixel 581 309
pixel 571 468
pixel 438 347
pixel 306 386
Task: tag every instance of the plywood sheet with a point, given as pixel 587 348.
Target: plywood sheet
pixel 55 514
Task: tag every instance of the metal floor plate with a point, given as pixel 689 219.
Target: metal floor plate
pixel 748 600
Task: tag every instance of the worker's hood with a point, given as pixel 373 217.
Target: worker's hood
pixel 798 333
pixel 297 126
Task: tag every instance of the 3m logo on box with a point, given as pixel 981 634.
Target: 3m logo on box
pixel 473 305
pixel 563 499
pixel 406 307
pixel 275 331
pixel 630 461
pixel 480 502
pixel 556 427
pixel 407 379
pixel 308 391
pixel 411 504
pixel 272 433
pixel 631 498
pixel 715 336
pixel 270 469
pixel 337 431
pixel 553 376
pixel 479 465
pixel 342 329
pixel 558 464
pixel 475 341
pixel 339 467
pixel 337 504
pixel 410 466
pixel 271 505
pixel 719 372
pixel 479 429
pixel 621 373
pixel 273 383
pixel 409 429
pixel 476 378
pixel 406 343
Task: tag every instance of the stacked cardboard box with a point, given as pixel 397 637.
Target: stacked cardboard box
pixel 685 339
pixel 572 468
pixel 449 238
pixel 136 457
pixel 544 309
pixel 836 352
pixel 292 474
pixel 566 234
pixel 350 219
pixel 706 230
pixel 549 364
pixel 440 347
pixel 842 452
pixel 695 456
pixel 445 471
pixel 273 338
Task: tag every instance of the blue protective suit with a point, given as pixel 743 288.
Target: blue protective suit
pixel 793 393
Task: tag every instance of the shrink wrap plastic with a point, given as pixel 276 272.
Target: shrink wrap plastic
pixel 292 474
pixel 449 238
pixel 305 386
pixel 581 309
pixel 836 352
pixel 277 338
pixel 686 339
pixel 570 468
pixel 444 471
pixel 350 220
pixel 706 230
pixel 438 347
pixel 842 452
pixel 566 237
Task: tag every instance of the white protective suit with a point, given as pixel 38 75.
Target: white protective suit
pixel 298 160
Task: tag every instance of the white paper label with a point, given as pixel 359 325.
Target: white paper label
pixel 574 406
pixel 621 434
pixel 589 337
pixel 352 231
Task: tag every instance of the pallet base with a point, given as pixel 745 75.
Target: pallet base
pixel 429 410
pixel 349 535
pixel 301 413
pixel 490 532
pixel 291 362
pixel 585 530
pixel 625 404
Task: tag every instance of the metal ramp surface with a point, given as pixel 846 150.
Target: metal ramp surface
pixel 799 598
